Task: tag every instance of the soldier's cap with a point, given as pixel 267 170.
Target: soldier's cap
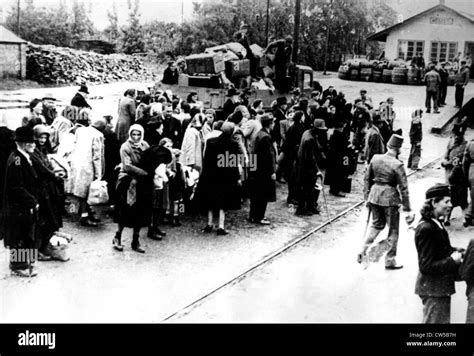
pixel 376 118
pixel 24 134
pixel 438 191
pixel 363 91
pixel 232 92
pixel 48 97
pixel 84 89
pixel 395 141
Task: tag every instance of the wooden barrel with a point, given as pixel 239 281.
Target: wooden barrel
pixel 354 74
pixel 399 75
pixel 451 78
pixel 366 74
pixel 343 72
pixel 387 76
pixel 377 76
pixel 413 76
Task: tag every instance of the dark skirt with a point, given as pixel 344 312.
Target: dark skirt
pixel 138 214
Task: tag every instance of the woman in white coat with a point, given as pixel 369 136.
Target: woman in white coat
pixel 87 163
pixel 193 144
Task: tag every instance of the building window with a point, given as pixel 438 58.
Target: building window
pixel 443 51
pixel 408 49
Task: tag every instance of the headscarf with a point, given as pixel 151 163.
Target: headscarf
pixel 136 127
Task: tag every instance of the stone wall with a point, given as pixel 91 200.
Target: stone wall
pixel 12 60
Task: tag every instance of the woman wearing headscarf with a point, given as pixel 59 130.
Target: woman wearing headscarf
pixel 35 117
pixel 49 198
pixel 132 208
pixel 221 178
pixel 126 114
pixel 193 144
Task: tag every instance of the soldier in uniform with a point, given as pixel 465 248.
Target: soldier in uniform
pixel 385 189
pixel 438 261
pixel 21 204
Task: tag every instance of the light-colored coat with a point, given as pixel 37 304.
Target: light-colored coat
pixel 87 161
pixel 126 117
pixel 192 149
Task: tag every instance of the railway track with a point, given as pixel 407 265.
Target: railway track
pixel 191 305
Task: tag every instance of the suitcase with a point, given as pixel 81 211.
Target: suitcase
pixel 235 69
pixel 205 63
pixel 204 81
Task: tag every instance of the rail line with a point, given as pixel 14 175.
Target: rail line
pixel 188 307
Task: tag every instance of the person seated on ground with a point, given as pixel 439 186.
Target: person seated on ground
pixel 365 99
pixel 170 75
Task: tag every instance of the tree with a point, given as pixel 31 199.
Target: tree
pixel 132 33
pixel 112 31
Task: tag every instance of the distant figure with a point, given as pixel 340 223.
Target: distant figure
pixel 170 75
pixel 416 135
pixel 460 82
pixel 284 49
pixel 79 99
pixel 126 115
pixel 433 81
pixel 418 61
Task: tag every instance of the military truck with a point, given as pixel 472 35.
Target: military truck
pixel 212 89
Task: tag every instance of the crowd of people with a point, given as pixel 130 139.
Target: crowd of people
pixel 166 156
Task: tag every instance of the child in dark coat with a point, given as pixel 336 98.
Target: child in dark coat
pixel 416 135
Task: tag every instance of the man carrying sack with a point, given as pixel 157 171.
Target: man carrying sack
pixel 386 188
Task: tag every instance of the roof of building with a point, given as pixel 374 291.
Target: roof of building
pixel 6 36
pixel 382 35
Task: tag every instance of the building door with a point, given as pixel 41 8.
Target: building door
pixel 469 49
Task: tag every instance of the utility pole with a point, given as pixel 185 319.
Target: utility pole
pixel 328 24
pixel 18 19
pixel 296 33
pixel 267 24
pixel 182 22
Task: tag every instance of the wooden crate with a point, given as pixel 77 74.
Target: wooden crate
pixel 205 63
pixel 239 68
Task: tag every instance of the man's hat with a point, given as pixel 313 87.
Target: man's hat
pixel 282 100
pixel 84 89
pixel 459 128
pixel 49 96
pixel 320 124
pixel 24 134
pixel 296 91
pixel 232 92
pixel 376 118
pixel 438 191
pixel 395 141
pixel 266 118
pixel 40 130
pixel 315 92
pixel 363 91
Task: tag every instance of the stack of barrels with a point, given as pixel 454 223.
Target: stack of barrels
pixel 413 76
pixel 399 75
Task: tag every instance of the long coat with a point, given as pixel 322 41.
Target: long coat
pixel 290 148
pixel 307 162
pixel 454 173
pixel 126 117
pixel 192 149
pixel 173 129
pixel 86 160
pixel 7 146
pixel 219 187
pixel 50 219
pixel 437 270
pixel 336 169
pixel 20 198
pixel 374 143
pixel 262 186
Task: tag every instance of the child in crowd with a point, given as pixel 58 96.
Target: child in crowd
pixel 416 135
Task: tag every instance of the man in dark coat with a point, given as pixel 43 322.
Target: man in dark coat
pixel 262 180
pixel 170 75
pixel 279 112
pixel 330 91
pixel 443 86
pixel 307 171
pixel 284 50
pixel 374 142
pixel 433 81
pixel 338 160
pixel 79 99
pixel 359 124
pixel 386 188
pixel 7 146
pixel 438 261
pixel 172 126
pixel 230 104
pixel 21 205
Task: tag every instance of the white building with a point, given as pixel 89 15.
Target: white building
pixel 440 33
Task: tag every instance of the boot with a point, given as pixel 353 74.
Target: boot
pixel 136 244
pixel 117 242
pixel 155 233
